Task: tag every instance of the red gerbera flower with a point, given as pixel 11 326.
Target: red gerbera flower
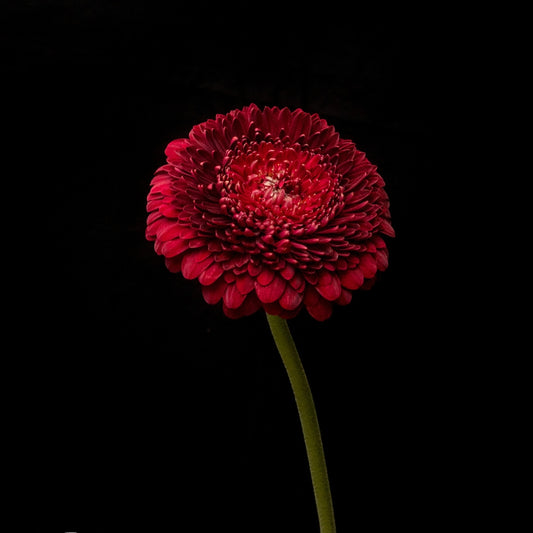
pixel 270 209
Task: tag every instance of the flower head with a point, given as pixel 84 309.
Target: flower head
pixel 270 209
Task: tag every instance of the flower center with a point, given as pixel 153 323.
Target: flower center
pixel 269 186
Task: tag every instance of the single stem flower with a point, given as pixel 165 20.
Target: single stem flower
pixel 270 209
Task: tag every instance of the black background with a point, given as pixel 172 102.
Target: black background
pixel 140 407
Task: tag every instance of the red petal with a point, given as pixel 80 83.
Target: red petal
pixel 368 266
pixel 245 283
pixel 153 228
pixel 329 285
pixel 379 242
pixel 174 147
pixel 387 229
pixel 352 279
pixel 174 263
pixel 345 298
pixel 188 233
pixel 297 282
pixel 229 276
pixel 158 245
pixel 214 246
pixel 168 231
pixel 198 242
pixel 320 311
pixel 174 247
pixel 311 297
pixel 234 261
pixel 169 211
pixel 212 293
pixel 368 284
pixel 254 270
pixel 211 274
pixel 232 297
pixel 271 292
pixel 195 262
pixel 159 190
pixel 288 272
pixel 265 277
pixel 291 299
pixel 251 305
pixel 382 259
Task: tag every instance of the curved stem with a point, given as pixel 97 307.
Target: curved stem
pixel 306 409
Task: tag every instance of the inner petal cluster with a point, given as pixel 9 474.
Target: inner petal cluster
pixel 271 188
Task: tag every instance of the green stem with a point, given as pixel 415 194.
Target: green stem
pixel 306 409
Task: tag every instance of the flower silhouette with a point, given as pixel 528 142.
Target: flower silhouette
pixel 270 208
